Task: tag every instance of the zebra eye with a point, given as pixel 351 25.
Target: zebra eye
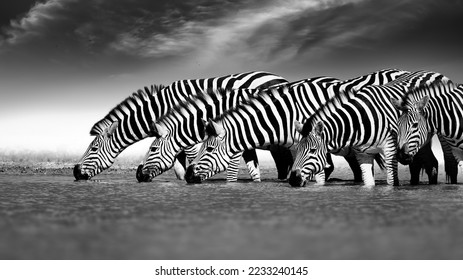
pixel 210 149
pixel 414 125
pixel 94 148
pixel 312 151
pixel 154 149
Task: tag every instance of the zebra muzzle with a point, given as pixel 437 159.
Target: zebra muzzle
pixel 141 176
pixel 78 173
pixel 403 155
pixel 295 178
pixel 190 176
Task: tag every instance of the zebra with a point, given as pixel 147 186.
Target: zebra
pixel 269 119
pixel 363 123
pixel 129 122
pixel 184 127
pixel 427 111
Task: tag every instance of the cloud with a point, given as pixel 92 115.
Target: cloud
pixel 260 33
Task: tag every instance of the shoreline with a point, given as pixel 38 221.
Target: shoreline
pixel 54 168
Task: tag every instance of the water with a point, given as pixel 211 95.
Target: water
pixel 54 217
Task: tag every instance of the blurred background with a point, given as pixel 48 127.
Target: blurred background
pixel 64 64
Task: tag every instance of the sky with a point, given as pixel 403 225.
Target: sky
pixel 65 63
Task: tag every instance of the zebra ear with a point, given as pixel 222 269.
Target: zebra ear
pixel 202 126
pixel 319 127
pixel 110 130
pixel 159 131
pixel 420 105
pixel 215 129
pixel 298 126
pixel 397 103
pixel 156 130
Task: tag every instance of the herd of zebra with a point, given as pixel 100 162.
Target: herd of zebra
pixel 388 116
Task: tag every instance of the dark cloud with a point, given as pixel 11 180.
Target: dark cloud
pixel 100 35
pixel 12 9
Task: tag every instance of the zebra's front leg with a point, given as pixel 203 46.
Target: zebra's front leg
pixel 458 154
pixel 366 165
pixel 232 169
pixel 179 170
pixel 390 156
pixel 450 162
pixel 252 162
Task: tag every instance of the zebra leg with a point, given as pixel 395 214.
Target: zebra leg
pixel 366 165
pixel 450 163
pixel 390 157
pixel 415 170
pixel 355 167
pixel 424 158
pixel 431 165
pixel 180 165
pixel 458 153
pixel 283 160
pixel 329 166
pixel 252 162
pixel 232 169
pixel 179 169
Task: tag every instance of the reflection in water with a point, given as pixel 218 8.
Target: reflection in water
pixel 115 217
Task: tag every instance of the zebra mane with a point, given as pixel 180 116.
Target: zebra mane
pixel 439 86
pixel 105 122
pixel 209 96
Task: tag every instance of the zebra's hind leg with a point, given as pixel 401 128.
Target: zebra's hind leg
pixel 252 162
pixel 450 162
pixel 283 160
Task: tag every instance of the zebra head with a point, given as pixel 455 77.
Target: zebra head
pixel 413 131
pixel 213 156
pixel 311 154
pixel 99 155
pixel 160 156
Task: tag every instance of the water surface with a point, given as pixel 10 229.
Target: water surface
pixel 114 217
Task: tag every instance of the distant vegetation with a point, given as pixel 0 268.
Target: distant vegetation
pixel 56 159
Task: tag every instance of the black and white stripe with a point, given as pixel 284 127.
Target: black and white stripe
pixel 365 123
pixel 269 120
pixel 428 111
pixel 129 122
pixel 183 128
